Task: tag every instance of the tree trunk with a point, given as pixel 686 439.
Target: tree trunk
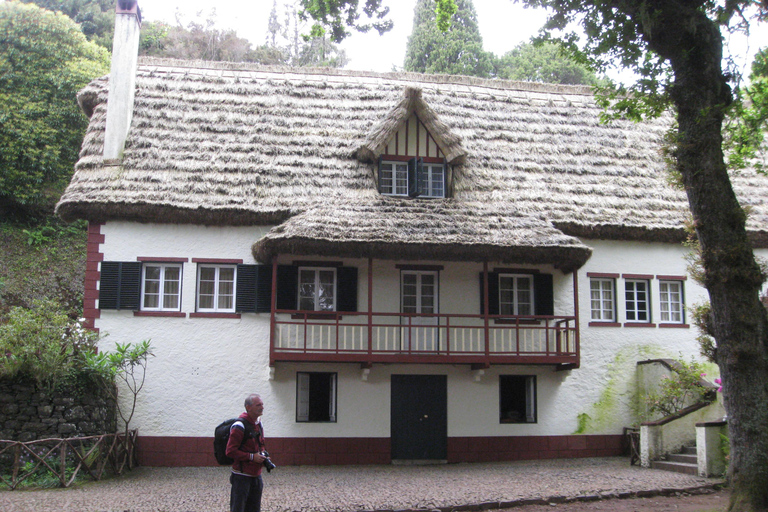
pixel 681 33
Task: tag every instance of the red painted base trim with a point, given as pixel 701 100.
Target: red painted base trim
pixel 198 451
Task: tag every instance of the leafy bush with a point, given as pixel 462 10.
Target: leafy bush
pixel 43 344
pixel 679 391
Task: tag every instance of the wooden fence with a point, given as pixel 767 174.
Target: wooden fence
pixel 65 459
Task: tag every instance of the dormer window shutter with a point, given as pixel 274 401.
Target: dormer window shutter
pixel 445 178
pixel 379 181
pixel 415 179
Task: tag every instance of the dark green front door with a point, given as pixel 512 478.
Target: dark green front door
pixel 419 415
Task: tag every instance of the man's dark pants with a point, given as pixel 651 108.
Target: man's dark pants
pixel 246 493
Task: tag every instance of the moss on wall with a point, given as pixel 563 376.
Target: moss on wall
pixel 618 404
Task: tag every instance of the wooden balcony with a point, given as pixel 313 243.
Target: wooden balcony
pixel 478 340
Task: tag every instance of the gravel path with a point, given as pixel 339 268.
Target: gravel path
pixel 360 488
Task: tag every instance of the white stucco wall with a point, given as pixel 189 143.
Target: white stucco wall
pixel 204 367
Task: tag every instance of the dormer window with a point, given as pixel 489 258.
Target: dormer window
pixel 411 177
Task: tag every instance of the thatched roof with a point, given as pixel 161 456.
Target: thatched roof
pixel 234 144
pixel 445 230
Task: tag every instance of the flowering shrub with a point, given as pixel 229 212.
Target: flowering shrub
pixel 43 344
pixel 679 391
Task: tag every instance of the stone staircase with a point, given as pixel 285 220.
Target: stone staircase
pixel 684 462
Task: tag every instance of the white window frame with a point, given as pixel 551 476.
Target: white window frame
pixel 517 290
pixel 217 284
pixel 163 283
pixel 396 174
pixel 602 299
pixel 671 302
pixel 303 380
pixel 317 287
pixel 631 288
pixel 432 178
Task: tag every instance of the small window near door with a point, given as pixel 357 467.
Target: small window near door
pixel 517 399
pixel 315 397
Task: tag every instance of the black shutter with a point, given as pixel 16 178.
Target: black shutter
pixel 120 285
pixel 264 289
pixel 544 294
pixel 379 182
pixel 287 287
pixel 415 170
pixel 346 285
pixel 493 293
pixel 245 302
pixel 445 179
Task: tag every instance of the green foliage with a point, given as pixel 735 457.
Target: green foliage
pixel 459 51
pixel 96 18
pixel 128 363
pixel 337 15
pixel 681 390
pixel 544 62
pixel 44 60
pixel 745 131
pixel 43 344
pixel 43 261
pixel 702 319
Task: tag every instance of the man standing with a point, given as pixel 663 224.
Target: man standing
pixel 245 445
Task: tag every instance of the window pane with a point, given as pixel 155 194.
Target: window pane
pixel 517 399
pixel 316 397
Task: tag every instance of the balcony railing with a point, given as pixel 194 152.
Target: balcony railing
pixel 409 338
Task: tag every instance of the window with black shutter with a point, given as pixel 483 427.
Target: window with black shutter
pixel 413 177
pixel 120 285
pixel 313 288
pixel 518 294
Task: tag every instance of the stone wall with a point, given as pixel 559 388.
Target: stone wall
pixel 28 413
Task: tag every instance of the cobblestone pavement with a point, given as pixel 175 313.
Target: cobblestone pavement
pixel 363 488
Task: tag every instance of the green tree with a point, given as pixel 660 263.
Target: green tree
pixel 544 62
pixel 337 15
pixel 96 18
pixel 457 51
pixel 676 48
pixel 44 60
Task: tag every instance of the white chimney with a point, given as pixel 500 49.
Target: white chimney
pixel 122 77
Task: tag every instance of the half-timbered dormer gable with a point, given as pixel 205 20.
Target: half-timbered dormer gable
pixel 413 150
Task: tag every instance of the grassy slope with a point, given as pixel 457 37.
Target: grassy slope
pixel 47 260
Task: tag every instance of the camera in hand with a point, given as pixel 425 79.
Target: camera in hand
pixel 268 462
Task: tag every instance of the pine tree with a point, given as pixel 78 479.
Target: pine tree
pixel 459 51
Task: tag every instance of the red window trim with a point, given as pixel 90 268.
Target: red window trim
pixel 404 158
pixel 299 263
pixel 604 324
pixel 331 315
pixel 603 275
pixel 175 314
pixel 217 260
pixel 214 315
pixel 420 267
pixel 637 276
pixel 675 326
pixel 672 278
pixel 504 270
pixel 162 260
pixel 639 324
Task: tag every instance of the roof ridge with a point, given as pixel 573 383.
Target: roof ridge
pixel 489 83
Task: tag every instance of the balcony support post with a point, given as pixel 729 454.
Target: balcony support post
pixel 272 316
pixel 486 306
pixel 576 316
pixel 370 307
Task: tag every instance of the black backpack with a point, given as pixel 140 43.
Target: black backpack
pixel 221 437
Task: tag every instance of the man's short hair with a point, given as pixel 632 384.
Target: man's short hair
pixel 250 398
